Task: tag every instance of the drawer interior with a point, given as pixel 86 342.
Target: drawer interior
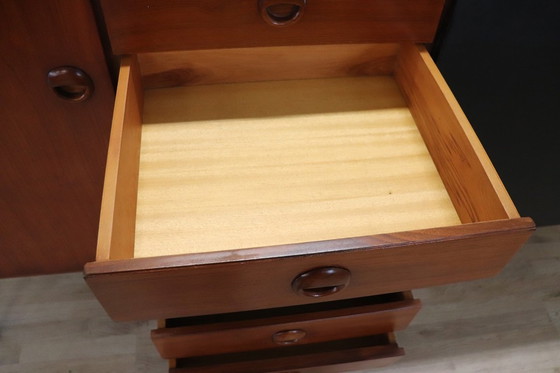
pixel 242 165
pixel 288 145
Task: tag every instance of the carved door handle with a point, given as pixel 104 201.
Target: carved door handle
pixel 281 12
pixel 70 83
pixel 320 282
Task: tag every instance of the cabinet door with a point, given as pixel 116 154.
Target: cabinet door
pixel 52 148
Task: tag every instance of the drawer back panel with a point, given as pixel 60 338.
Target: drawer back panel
pixel 164 25
pixel 215 66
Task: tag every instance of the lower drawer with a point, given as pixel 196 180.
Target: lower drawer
pixel 288 326
pixel 332 357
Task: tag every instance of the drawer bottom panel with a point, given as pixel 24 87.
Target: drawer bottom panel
pixel 331 357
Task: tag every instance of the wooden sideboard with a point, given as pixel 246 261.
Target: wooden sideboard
pixel 281 174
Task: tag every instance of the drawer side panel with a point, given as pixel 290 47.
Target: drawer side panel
pixel 118 206
pixel 468 174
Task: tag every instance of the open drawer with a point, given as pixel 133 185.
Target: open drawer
pixel 280 176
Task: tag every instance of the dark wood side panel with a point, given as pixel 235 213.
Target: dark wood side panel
pixel 339 356
pixel 178 286
pixel 257 332
pixel 136 27
pixel 52 151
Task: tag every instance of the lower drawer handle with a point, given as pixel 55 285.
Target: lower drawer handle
pixel 288 337
pixel 321 282
pixel 281 12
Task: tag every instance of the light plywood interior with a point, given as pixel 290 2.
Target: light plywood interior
pixel 233 166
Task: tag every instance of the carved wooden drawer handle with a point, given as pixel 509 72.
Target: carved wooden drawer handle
pixel 70 83
pixel 288 337
pixel 321 282
pixel 281 12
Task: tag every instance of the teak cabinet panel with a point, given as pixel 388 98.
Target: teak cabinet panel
pixel 52 151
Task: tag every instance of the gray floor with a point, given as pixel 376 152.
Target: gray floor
pixel 510 323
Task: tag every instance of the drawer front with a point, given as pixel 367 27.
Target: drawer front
pixel 177 286
pixel 336 357
pixel 289 326
pixel 135 27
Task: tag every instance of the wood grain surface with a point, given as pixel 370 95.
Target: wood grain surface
pixel 52 151
pixel 136 27
pixel 178 68
pixel 225 167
